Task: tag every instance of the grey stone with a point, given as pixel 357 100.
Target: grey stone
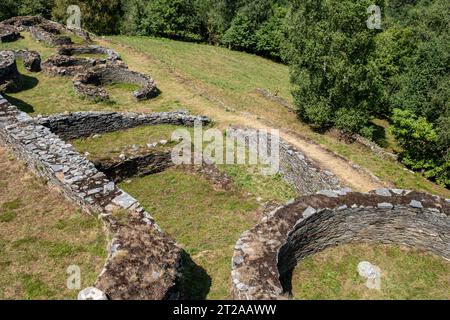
pixel 385 205
pixel 124 200
pixel 328 193
pixel 92 293
pixel 397 191
pixel 416 204
pixel 383 192
pixel 372 273
pixel 309 212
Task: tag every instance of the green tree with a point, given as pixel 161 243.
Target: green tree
pixel 329 50
pixel 97 16
pixel 176 19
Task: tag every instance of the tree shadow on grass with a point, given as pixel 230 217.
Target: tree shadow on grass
pixel 20 104
pixel 195 283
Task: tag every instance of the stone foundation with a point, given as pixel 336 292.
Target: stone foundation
pixel 265 256
pixel 59 65
pixel 87 84
pixel 50 35
pixel 296 169
pixel 31 59
pixel 8 33
pixel 92 49
pixel 143 262
pixel 41 29
pixel 84 124
pixel 9 75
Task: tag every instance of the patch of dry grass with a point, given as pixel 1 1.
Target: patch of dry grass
pixel 41 235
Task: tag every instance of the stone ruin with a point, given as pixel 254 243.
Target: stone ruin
pixel 8 33
pixel 9 75
pixel 112 55
pixel 143 261
pixel 10 78
pixel 265 256
pixel 90 74
pixel 41 29
pixel 88 84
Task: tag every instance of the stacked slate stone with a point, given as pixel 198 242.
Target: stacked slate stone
pixel 265 256
pixel 143 262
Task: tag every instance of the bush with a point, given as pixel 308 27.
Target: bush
pixel 97 16
pixel 329 51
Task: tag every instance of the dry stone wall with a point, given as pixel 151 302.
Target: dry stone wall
pixel 88 84
pixel 296 169
pixel 91 49
pixel 143 262
pixel 121 168
pixel 9 75
pixel 84 124
pixel 265 256
pixel 8 33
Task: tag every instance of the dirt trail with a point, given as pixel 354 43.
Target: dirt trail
pixel 357 178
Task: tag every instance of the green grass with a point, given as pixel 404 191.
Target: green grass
pixel 266 187
pixel 231 78
pixel 41 235
pixel 405 274
pixel 204 221
pixel 114 143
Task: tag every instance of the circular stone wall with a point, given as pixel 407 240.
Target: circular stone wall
pixel 9 75
pixel 265 256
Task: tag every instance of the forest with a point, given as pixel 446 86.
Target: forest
pixel 344 74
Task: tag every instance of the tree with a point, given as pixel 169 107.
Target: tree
pixel 97 16
pixel 329 49
pixel 176 19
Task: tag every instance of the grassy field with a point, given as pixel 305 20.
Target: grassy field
pixel 205 80
pixel 405 274
pixel 204 221
pixel 41 235
pixel 227 81
pixel 216 82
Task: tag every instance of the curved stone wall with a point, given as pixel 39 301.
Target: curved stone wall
pixel 265 256
pixel 92 49
pixel 143 261
pixel 8 33
pixel 86 123
pixel 87 84
pixel 9 75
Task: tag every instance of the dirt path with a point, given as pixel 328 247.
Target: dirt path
pixel 357 178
